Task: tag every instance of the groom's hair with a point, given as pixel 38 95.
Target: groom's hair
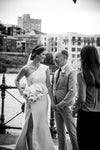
pixel 37 50
pixel 65 53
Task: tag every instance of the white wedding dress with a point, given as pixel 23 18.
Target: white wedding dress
pixel 35 133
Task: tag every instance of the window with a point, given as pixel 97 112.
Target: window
pixel 73 40
pixel 55 49
pixel 73 55
pixel 45 44
pixel 65 41
pixel 52 39
pixel 78 49
pixel 56 38
pixel 78 55
pixel 55 43
pixel 73 49
pixel 66 48
pixel 92 41
pixel 52 49
pixel 98 41
pixel 79 41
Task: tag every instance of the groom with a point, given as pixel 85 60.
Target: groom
pixel 64 90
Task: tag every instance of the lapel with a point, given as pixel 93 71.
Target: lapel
pixel 55 78
pixel 63 73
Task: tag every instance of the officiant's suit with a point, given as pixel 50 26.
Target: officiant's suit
pixel 64 91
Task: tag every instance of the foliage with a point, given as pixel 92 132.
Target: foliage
pixel 49 59
pixel 13 61
pixel 2 29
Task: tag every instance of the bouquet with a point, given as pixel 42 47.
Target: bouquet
pixel 34 92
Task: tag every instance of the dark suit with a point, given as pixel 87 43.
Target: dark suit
pixel 65 89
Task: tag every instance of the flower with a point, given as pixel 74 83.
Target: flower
pixel 23 85
pixel 34 92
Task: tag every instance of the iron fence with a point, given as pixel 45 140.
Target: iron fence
pixel 4 125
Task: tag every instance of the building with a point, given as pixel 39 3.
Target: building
pixel 14 30
pixel 1 42
pixel 35 24
pixel 9 44
pixel 28 41
pixel 72 42
pixel 15 40
pixel 29 24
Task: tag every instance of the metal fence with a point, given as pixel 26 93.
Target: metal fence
pixel 4 125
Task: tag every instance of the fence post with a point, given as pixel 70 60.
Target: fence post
pixel 52 120
pixel 2 118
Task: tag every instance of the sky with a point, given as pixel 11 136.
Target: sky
pixel 58 16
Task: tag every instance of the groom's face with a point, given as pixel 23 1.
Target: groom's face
pixel 59 59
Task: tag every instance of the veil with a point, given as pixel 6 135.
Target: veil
pixel 29 59
pixel 49 100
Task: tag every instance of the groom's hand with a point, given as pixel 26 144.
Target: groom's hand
pixel 57 108
pixel 60 105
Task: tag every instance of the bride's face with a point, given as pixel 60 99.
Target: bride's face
pixel 41 57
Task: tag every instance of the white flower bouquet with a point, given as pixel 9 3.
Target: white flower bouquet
pixel 34 92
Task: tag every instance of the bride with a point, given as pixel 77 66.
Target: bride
pixel 35 133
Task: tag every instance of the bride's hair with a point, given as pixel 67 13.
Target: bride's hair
pixel 90 66
pixel 38 49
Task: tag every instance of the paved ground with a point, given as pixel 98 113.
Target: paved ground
pixel 6 145
pixel 11 147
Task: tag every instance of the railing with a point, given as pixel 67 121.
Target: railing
pixel 3 124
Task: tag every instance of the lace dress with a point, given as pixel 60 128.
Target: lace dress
pixel 35 133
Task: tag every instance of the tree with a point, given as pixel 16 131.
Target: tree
pixel 49 59
pixel 2 29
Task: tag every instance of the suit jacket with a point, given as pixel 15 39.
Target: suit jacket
pixel 65 88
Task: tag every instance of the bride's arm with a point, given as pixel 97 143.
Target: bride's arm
pixel 48 83
pixel 20 75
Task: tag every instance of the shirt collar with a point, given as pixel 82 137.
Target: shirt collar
pixel 63 67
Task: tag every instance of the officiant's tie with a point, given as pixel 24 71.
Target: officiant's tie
pixel 58 75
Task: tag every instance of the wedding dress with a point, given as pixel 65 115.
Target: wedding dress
pixel 35 133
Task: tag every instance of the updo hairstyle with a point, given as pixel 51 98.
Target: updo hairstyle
pixel 37 51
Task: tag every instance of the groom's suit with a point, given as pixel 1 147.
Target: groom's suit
pixel 64 91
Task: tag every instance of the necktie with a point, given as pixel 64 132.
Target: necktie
pixel 58 74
